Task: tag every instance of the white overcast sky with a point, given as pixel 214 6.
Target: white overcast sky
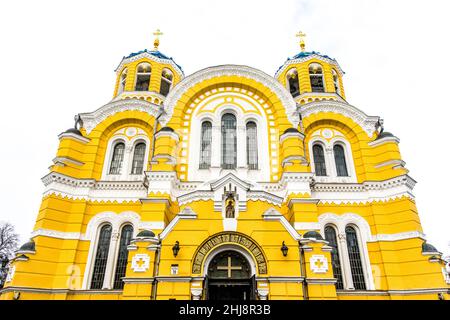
pixel 57 58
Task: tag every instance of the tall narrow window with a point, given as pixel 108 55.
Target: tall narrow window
pixel 122 257
pixel 354 256
pixel 101 257
pixel 205 145
pixel 123 79
pixel 335 81
pixel 138 159
pixel 330 236
pixel 292 79
pixel 252 146
pixel 117 159
pixel 316 77
pixel 319 160
pixel 166 82
pixel 229 155
pixel 144 71
pixel 339 158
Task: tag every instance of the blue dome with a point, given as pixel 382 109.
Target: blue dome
pixel 154 53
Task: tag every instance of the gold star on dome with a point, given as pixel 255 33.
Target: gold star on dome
pixel 157 33
pixel 302 37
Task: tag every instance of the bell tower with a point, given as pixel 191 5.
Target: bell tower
pixel 311 76
pixel 147 74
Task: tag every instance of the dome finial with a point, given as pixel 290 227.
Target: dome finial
pixel 157 33
pixel 302 36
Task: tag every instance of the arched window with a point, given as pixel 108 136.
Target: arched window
pixel 336 81
pixel 252 146
pixel 205 145
pixel 117 158
pixel 330 236
pixel 123 79
pixel 166 82
pixel 229 154
pixel 138 159
pixel 316 77
pixel 122 257
pixel 339 158
pixel 354 256
pixel 144 71
pixel 319 160
pixel 292 79
pixel 101 257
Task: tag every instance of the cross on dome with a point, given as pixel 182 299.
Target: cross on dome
pixel 157 33
pixel 302 37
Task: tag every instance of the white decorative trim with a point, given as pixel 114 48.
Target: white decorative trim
pixel 307 226
pixel 287 135
pixel 151 225
pixel 184 214
pixel 274 215
pixel 73 136
pixel 140 262
pixel 307 58
pixel 384 140
pixel 366 192
pixel 231 70
pixel 396 163
pixel 92 190
pixel 397 236
pixel 92 119
pixel 367 123
pixel 151 57
pixel 56 234
pixel 316 259
pixel 170 134
pixel 62 160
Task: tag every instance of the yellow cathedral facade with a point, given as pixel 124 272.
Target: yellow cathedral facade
pixel 227 184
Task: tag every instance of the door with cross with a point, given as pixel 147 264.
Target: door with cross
pixel 229 277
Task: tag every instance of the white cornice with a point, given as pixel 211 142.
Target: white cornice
pixel 307 58
pixel 92 190
pixel 73 136
pixel 92 119
pixel 231 70
pixel 367 123
pixel 384 140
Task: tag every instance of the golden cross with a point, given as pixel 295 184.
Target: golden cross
pixel 228 267
pixel 157 33
pixel 302 37
pixel 319 263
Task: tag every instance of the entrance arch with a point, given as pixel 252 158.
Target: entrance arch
pixel 229 276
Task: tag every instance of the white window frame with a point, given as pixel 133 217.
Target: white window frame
pixel 117 221
pixel 336 83
pixel 127 163
pixel 165 79
pixel 362 228
pixel 215 170
pixel 330 161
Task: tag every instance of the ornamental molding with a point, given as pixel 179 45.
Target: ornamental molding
pixel 288 135
pixel 172 135
pixel 150 57
pixel 117 220
pixel 383 141
pixel 318 263
pixel 11 273
pixel 56 234
pixel 92 190
pixel 341 221
pixel 92 119
pixel 73 136
pixel 140 262
pixel 310 57
pixel 269 82
pixel 367 123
